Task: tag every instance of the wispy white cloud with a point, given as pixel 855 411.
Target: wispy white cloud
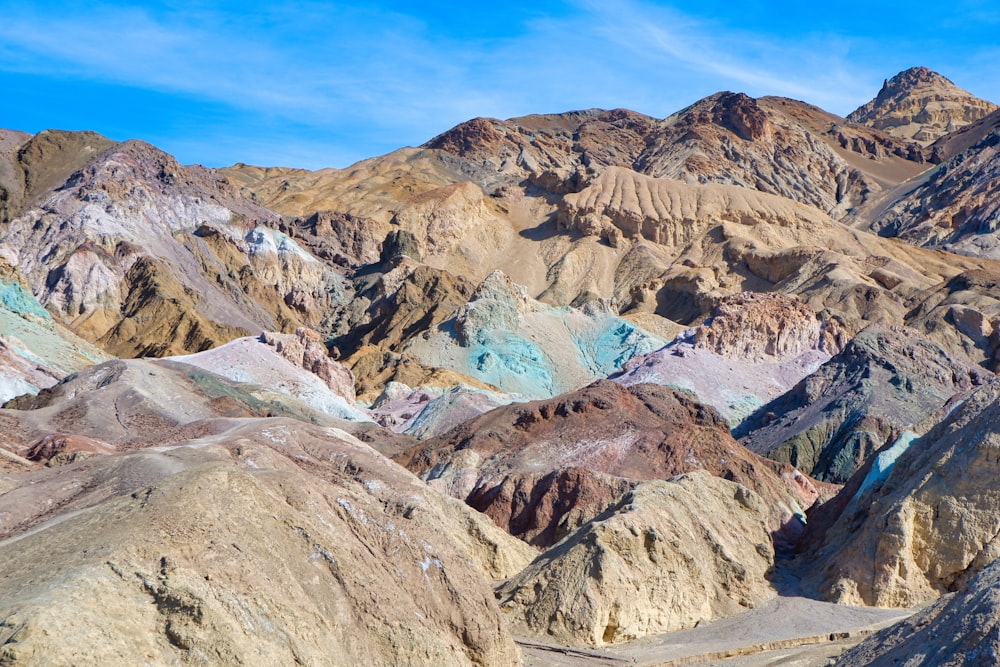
pixel 345 81
pixel 811 67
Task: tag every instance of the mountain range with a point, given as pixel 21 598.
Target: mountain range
pixel 532 391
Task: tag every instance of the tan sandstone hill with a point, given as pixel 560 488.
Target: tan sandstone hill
pixel 924 519
pixel 667 555
pixel 264 542
pixel 921 105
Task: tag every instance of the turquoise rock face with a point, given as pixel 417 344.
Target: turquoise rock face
pixel 515 364
pixel 16 299
pixel 512 363
pixel 605 348
pixel 509 340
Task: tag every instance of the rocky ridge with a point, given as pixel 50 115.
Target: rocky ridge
pixel 543 468
pixel 885 381
pixel 922 521
pixel 639 568
pixel 958 629
pixel 148 257
pixel 921 105
pixel 954 207
pixel 753 348
pixel 532 255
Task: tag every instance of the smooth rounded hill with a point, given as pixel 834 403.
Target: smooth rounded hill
pixel 267 542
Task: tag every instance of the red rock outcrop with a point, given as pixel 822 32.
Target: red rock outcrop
pixel 540 469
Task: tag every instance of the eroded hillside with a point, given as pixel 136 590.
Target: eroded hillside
pixel 578 378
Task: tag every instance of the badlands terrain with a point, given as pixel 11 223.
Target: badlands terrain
pixel 590 388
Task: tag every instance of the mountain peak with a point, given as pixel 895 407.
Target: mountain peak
pixel 910 78
pixel 922 105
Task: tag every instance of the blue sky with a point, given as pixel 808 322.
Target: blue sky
pixel 314 84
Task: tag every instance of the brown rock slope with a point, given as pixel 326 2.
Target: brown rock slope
pixel 541 469
pixel 721 240
pixel 730 138
pixel 126 404
pixel 886 380
pixel 666 556
pixel 347 214
pixel 958 629
pixel 32 165
pixel 924 520
pixel 556 152
pixel 726 138
pixel 262 542
pixel 152 258
pixel 730 221
pixel 955 206
pixel 526 164
pixel 921 105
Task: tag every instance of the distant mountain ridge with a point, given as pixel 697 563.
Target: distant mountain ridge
pixel 921 105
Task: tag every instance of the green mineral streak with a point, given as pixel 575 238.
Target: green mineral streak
pixel 14 298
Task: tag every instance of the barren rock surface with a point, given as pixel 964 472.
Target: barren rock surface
pixel 233 504
pixel 149 257
pixel 246 548
pixel 959 629
pixel 542 468
pixel 294 364
pixel 753 348
pixel 921 105
pixel 886 380
pixel 924 521
pixel 664 557
pixel 35 350
pixel 504 338
pixel 954 207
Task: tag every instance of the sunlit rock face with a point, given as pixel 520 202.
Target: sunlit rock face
pixel 667 555
pixel 925 522
pixel 541 469
pixel 921 105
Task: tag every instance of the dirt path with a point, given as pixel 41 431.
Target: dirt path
pixel 785 631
